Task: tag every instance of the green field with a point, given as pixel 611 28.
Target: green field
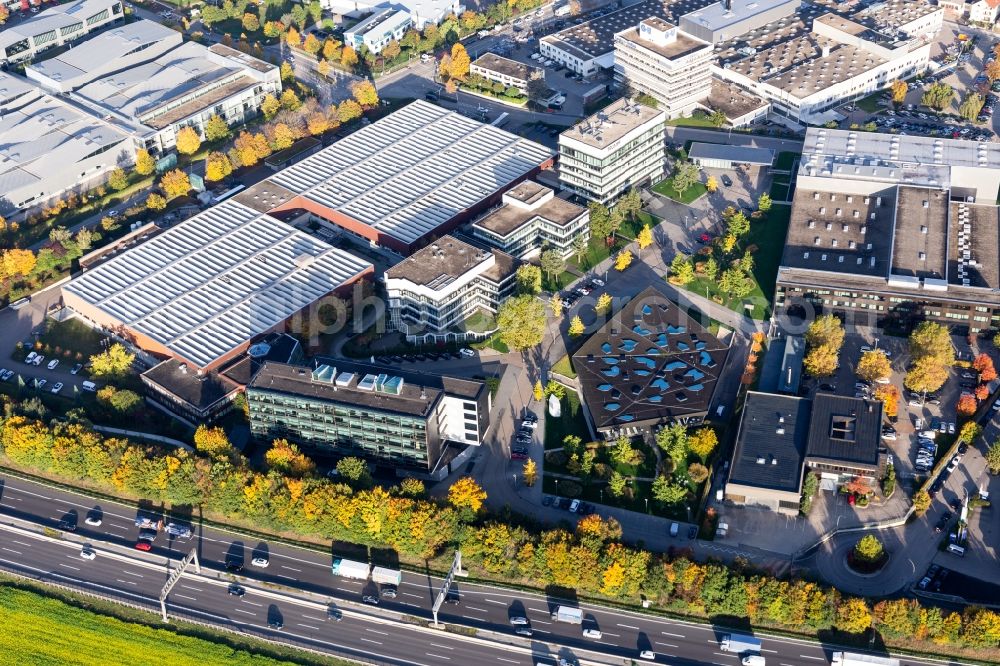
pixel 666 188
pixel 41 630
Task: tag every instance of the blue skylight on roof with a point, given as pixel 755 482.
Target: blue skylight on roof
pixel 656 398
pixel 612 406
pixel 638 328
pixel 676 330
pixel 626 417
pixel 661 339
pixel 643 373
pixel 610 360
pixel 613 371
pixel 694 374
pixel 653 351
pixel 604 387
pixel 706 360
pixel 695 387
pixel 674 365
pixel 648 362
pixel 646 310
pixel 683 346
pixel 700 344
pixel 628 345
pixel 606 348
pixel 660 383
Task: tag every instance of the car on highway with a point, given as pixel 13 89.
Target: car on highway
pixel 592 632
pixel 524 631
pixel 452 600
pixel 38 360
pixel 58 386
pixel 143 545
pixel 234 566
pixel 336 614
pixel 236 590
pixel 517 620
pixel 277 625
pixel 370 599
pixel 87 553
pixel 648 655
pixel 93 519
pixel 388 591
pixel 6 375
pixel 67 524
pixel 30 358
pixel 529 425
pixel 260 562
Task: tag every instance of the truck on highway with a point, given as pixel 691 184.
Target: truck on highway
pixel 858 659
pixel 386 576
pixel 568 614
pixel 350 568
pixel 148 520
pixel 740 643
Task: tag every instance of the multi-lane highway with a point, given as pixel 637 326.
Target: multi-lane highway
pixel 300 591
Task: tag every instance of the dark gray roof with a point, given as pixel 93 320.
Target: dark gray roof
pixel 845 429
pixel 650 364
pixel 720 151
pixel 199 391
pixel 771 444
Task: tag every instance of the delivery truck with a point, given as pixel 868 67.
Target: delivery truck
pixel 858 659
pixel 386 576
pixel 568 614
pixel 350 568
pixel 740 643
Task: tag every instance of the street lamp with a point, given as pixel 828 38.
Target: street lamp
pixel 647 505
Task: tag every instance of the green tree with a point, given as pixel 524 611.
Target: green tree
pixel 521 321
pixel 118 180
pixel 921 502
pixel 711 268
pixel 736 283
pixel 622 451
pixel 216 129
pixel 764 202
pixel 685 175
pixel 114 363
pixel 717 118
pixel 580 246
pixel 552 263
pixel 616 484
pixel 737 224
pixel 673 440
pixel 681 270
pixel 576 327
pixel 663 490
pixel 938 96
pixel 557 306
pixel 355 470
pixel 600 220
pixel 869 549
pixel 992 458
pixel 971 106
pixel 529 279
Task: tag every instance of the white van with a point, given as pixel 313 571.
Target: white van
pixel 89 386
pixel 955 549
pixel 592 633
pixel 754 660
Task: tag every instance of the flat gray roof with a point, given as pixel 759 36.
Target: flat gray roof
pixel 920 237
pixel 716 16
pixel 612 123
pixel 414 170
pixel 974 245
pixel 440 263
pixel 215 281
pixel 53 18
pixel 721 151
pixel 507 67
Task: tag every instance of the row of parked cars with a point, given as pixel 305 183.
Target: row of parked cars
pixel 581 290
pixel 524 438
pixel 426 356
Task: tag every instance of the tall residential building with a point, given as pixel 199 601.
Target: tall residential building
pixel 57 25
pixel 658 59
pixel 531 218
pixel 412 421
pixel 615 149
pixel 449 290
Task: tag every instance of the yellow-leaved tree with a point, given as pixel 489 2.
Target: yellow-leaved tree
pixel 175 183
pixel 113 363
pixel 465 493
pixel 16 262
pixel 217 166
pixel 188 141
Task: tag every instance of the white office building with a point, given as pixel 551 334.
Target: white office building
pixel 448 291
pixel 658 59
pixel 729 19
pixel 612 151
pixel 375 32
pixel 422 12
pixel 56 26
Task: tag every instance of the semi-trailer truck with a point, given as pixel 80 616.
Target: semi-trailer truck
pixel 858 659
pixel 386 576
pixel 350 568
pixel 740 643
pixel 568 614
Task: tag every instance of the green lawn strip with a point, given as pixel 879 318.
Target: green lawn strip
pixel 697 119
pixel 558 282
pixel 870 103
pixel 61 628
pixel 572 422
pixel 666 188
pixel 492 342
pixel 73 336
pixel 779 191
pixel 564 367
pixel 784 160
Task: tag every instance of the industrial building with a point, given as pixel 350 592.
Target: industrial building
pixel 895 228
pixel 204 290
pixel 782 437
pixel 612 151
pixel 406 179
pixel 651 364
pixel 530 218
pixel 448 291
pixel 413 422
pixel 657 59
pixel 421 12
pixel 510 73
pixel 49 147
pixel 729 19
pixel 55 26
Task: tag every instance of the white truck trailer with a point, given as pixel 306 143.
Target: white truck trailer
pixel 386 576
pixel 740 643
pixel 350 568
pixel 568 614
pixel 858 659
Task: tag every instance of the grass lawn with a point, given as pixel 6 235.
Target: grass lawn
pixel 784 160
pixel 870 103
pixel 73 336
pixel 636 494
pixel 666 188
pixel 557 283
pixel 779 190
pixel 44 630
pixel 571 422
pixel 492 342
pixel 480 322
pixel 768 235
pixel 631 227
pixel 697 119
pixel 597 252
pixel 564 367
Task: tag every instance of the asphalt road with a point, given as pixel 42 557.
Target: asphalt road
pixel 294 569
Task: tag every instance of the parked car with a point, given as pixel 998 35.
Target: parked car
pixel 52 364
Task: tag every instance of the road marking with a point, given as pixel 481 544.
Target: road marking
pixel 310 617
pixel 11 550
pixel 196 589
pixel 132 573
pixel 542 622
pixel 291 568
pixel 368 640
pixel 240 610
pixel 431 654
pixel 726 654
pixel 478 610
pixel 285 577
pixel 344 589
pixel 766 650
pixel 446 647
pixel 494 601
pixel 608 633
pixel 376 631
pixel 628 626
pixel 509 661
pixel 68 566
pixel 539 610
pixel 307 626
pixel 19 542
pixel 665 644
pixel 127 582
pixel 117 527
pixel 184 596
pixel 410 594
pixel 252 603
pixel 805 656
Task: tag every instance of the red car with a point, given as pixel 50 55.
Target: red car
pixel 143 545
pixel 704 238
pixel 519 456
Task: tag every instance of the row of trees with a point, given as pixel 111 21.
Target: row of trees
pixel 288 496
pixel 824 338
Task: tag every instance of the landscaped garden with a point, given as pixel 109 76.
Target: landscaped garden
pixel 685 193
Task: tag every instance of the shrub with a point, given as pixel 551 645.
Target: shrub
pixel 570 488
pixel 809 487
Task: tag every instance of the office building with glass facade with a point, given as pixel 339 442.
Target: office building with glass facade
pixel 335 408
